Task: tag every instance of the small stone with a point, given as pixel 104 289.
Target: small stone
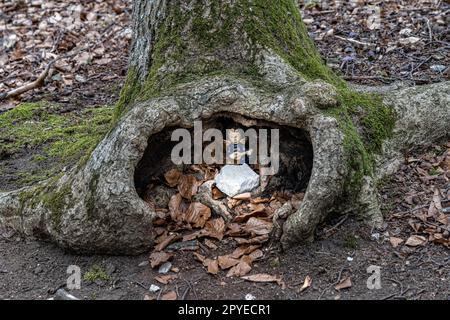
pixel 80 78
pixel 249 296
pixel 438 68
pixel 349 259
pixel 62 294
pixel 153 288
pixel 165 267
pixel 375 236
pixel 236 179
pixel 143 264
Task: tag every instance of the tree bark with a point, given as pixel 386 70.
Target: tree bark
pixel 251 60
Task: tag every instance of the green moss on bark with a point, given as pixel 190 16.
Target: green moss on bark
pixel 194 43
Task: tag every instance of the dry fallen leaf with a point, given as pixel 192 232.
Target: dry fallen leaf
pixel 226 262
pixel 344 284
pixel 395 242
pixel 199 257
pixel 233 203
pixel 415 241
pixel 264 277
pixel 243 250
pixel 172 177
pixel 215 228
pixel 306 284
pixel 212 265
pixel 210 244
pixel 260 200
pixel 243 196
pixel 443 219
pixel 216 193
pixel 174 207
pixel 256 255
pixel 256 207
pixel 246 216
pixel 172 295
pixel 258 226
pixel 188 186
pixel 197 214
pixel 166 279
pixel 158 258
pixel 239 270
pixel 255 240
pixel 168 240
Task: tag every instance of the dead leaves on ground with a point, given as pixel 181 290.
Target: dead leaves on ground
pixel 157 258
pixel 197 214
pixel 171 295
pixel 263 277
pixel 344 284
pixel 415 241
pixel 166 279
pixel 186 219
pixel 306 284
pixel 423 197
pixel 36 33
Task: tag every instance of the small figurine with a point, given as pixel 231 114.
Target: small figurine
pixel 235 147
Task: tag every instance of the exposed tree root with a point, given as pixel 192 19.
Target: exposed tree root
pixel 95 206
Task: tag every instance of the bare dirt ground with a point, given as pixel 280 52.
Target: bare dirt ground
pixel 345 248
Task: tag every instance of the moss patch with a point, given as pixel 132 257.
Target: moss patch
pixel 96 273
pixel 52 138
pixel 192 44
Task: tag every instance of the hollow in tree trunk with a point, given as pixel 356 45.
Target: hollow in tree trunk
pixel 250 61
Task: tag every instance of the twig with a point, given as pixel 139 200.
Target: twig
pixel 159 293
pixel 356 41
pixel 328 232
pixel 188 287
pixel 429 29
pixel 383 79
pixel 40 80
pixel 141 285
pixel 389 296
pixel 333 284
pixel 29 86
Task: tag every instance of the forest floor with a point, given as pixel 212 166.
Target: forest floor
pixel 411 44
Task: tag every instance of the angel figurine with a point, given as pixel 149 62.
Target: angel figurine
pixel 235 147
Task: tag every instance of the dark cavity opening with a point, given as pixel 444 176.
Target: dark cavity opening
pixel 295 159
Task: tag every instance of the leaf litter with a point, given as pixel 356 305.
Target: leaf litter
pixel 186 219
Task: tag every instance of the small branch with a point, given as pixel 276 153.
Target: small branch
pixel 360 43
pixel 330 231
pixel 29 86
pixel 40 80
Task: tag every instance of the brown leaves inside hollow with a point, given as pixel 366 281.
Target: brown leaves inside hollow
pixel 188 186
pixel 197 214
pixel 172 177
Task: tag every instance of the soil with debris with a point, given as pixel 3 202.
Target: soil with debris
pixel 411 250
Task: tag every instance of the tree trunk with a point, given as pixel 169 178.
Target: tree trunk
pixel 250 60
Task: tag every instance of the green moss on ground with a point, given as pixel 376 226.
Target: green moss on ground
pixel 96 273
pixel 56 139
